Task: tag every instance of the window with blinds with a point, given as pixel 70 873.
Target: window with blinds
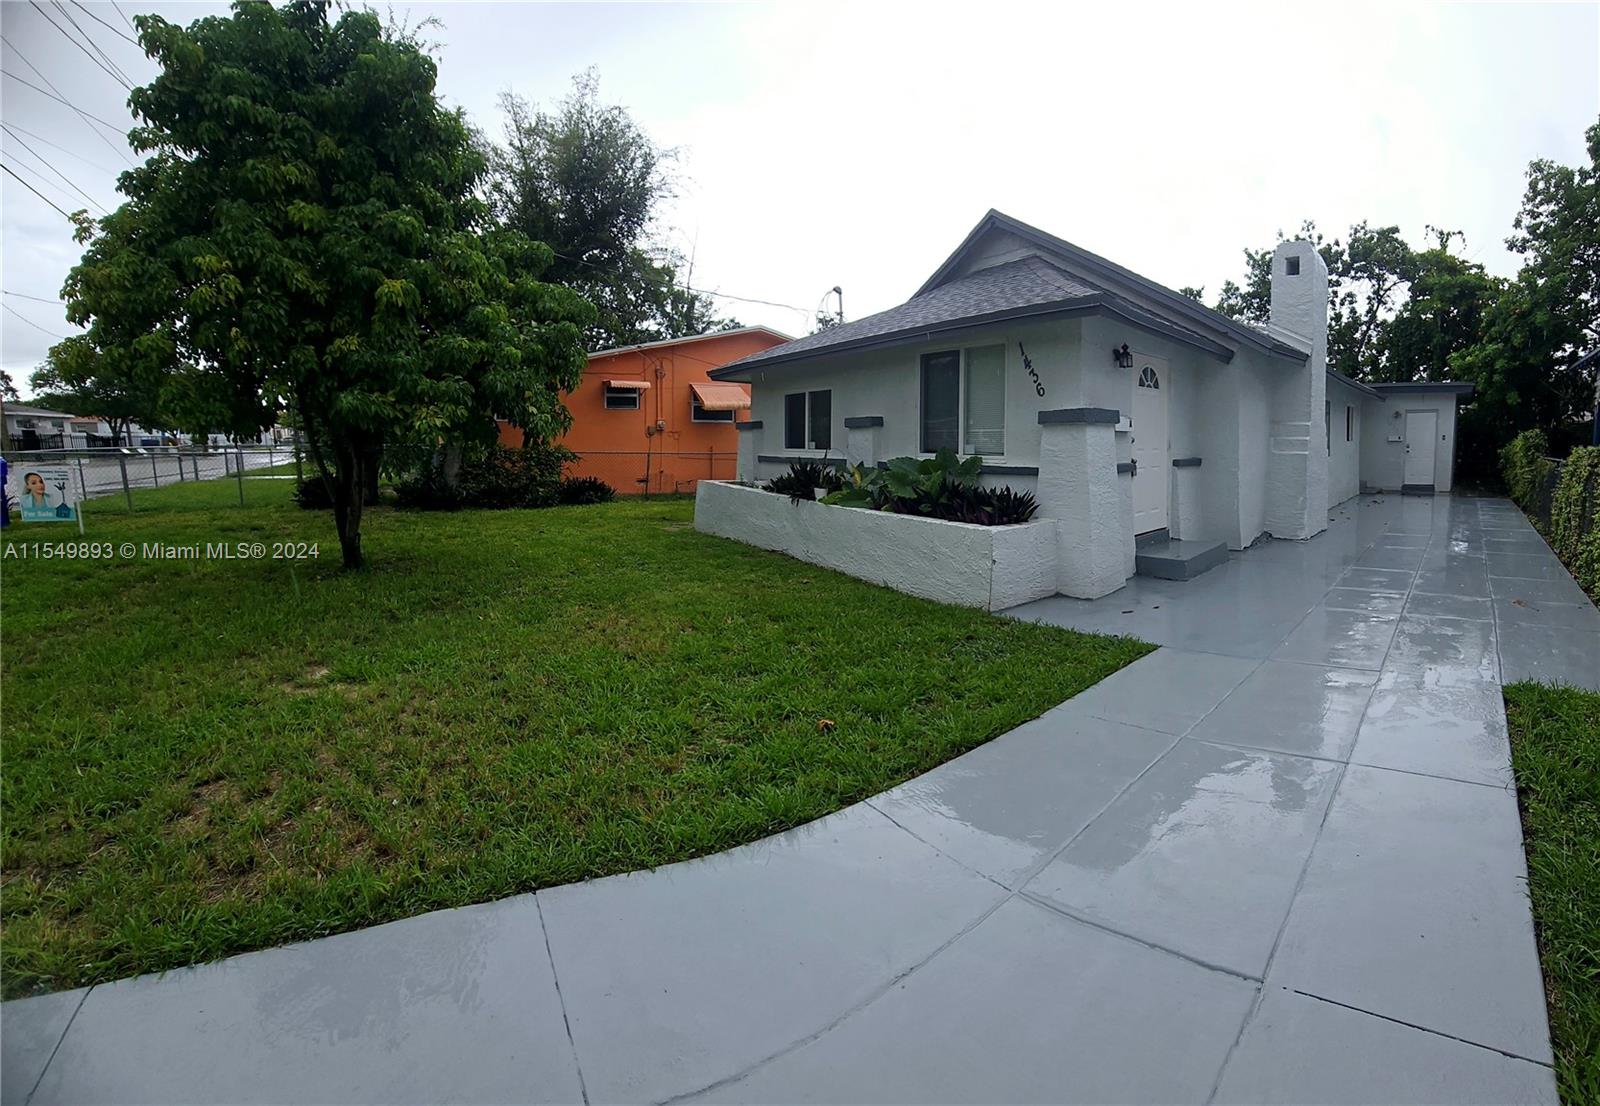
pixel 984 429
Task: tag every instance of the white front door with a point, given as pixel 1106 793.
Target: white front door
pixel 1422 427
pixel 1153 465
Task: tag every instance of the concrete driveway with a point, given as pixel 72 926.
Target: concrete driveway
pixel 1277 860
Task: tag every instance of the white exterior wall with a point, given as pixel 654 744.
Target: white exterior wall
pixel 1344 457
pixel 992 567
pixel 1383 461
pixel 887 383
pixel 1254 407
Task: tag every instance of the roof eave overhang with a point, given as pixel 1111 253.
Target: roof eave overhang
pixel 1420 387
pixel 1356 385
pixel 1098 304
pixel 1095 267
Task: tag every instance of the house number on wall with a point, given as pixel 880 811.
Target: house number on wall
pixel 1027 363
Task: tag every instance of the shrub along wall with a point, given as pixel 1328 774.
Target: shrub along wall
pixel 1562 498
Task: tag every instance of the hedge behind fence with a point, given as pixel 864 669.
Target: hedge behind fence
pixel 1562 498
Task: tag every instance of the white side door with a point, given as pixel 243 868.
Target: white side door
pixel 1151 456
pixel 1422 429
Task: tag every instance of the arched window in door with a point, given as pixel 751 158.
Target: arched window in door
pixel 1148 378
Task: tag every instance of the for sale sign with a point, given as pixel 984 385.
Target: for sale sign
pixel 45 493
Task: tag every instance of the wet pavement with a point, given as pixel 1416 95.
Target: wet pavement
pixel 1277 860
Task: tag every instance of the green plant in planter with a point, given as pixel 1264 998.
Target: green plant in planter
pixel 803 478
pixel 942 486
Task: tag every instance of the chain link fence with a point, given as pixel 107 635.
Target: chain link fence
pixel 655 472
pixel 110 473
pixel 115 475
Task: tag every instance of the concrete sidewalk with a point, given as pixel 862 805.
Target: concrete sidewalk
pixel 1277 860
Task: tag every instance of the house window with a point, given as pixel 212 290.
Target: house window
pixel 794 420
pixel 970 419
pixel 1327 424
pixel 1291 266
pixel 1349 422
pixel 698 413
pixel 984 421
pixel 820 418
pixel 808 420
pixel 622 399
pixel 1149 379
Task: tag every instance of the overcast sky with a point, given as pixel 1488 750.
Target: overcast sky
pixel 857 144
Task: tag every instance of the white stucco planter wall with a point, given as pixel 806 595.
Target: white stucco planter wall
pixel 992 567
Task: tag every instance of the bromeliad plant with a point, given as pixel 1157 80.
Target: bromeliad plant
pixel 942 486
pixel 803 478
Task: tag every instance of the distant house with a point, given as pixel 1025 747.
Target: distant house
pixel 1141 419
pixel 650 418
pixel 28 427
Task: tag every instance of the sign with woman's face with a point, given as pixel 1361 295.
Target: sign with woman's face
pixel 46 493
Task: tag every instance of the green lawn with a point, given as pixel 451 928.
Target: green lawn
pixel 203 757
pixel 1555 751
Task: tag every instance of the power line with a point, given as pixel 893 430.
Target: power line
pixel 46 163
pixel 55 94
pixel 25 296
pixel 84 49
pixel 685 287
pixel 104 24
pixel 32 189
pixel 125 18
pixel 87 37
pixel 33 324
pixel 57 146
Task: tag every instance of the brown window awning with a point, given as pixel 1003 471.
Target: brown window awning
pixel 635 385
pixel 717 396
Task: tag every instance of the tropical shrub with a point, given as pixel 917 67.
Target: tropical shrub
pixel 1526 465
pixel 577 490
pixel 426 489
pixel 1567 513
pixel 495 479
pixel 803 477
pixel 312 495
pixel 942 486
pixel 1574 525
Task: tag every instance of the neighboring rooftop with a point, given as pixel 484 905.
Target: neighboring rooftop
pixel 25 409
pixel 779 335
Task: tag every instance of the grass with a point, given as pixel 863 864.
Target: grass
pixel 1555 752
pixel 203 757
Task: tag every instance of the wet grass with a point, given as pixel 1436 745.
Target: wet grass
pixel 1555 751
pixel 207 756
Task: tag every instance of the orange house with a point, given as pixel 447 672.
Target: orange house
pixel 647 418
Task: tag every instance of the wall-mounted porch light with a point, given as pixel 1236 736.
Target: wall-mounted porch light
pixel 1122 355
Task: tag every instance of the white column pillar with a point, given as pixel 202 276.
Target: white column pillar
pixel 862 434
pixel 1078 488
pixel 749 443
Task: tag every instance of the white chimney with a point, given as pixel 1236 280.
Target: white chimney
pixel 1297 481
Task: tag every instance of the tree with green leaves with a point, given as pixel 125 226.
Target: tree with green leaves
pixel 307 232
pixel 1367 273
pixel 587 180
pixel 119 370
pixel 1532 337
pixel 1441 316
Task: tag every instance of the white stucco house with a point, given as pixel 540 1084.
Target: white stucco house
pixel 1157 434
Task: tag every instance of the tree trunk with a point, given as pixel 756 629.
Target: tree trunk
pixel 349 486
pixel 450 464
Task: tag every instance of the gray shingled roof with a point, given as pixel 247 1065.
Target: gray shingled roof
pixel 1029 282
